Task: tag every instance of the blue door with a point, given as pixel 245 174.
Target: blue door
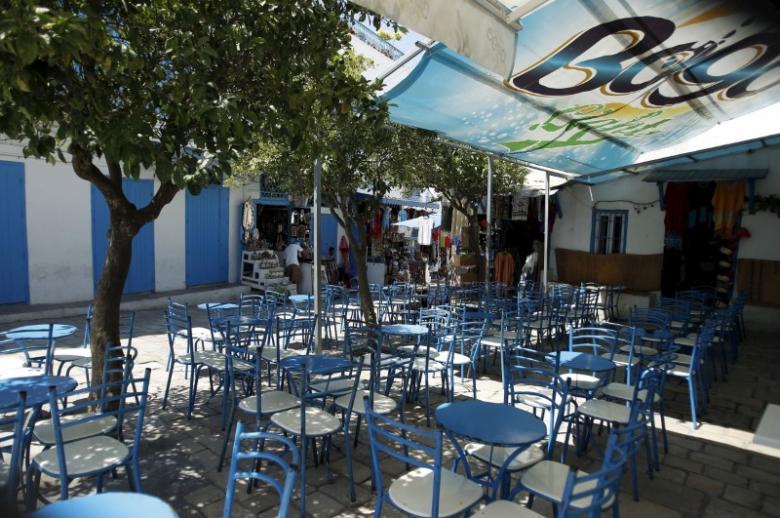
pixel 329 229
pixel 140 278
pixel 14 287
pixel 206 236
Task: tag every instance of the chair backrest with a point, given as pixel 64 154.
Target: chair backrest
pixel 118 398
pixel 251 305
pixel 283 485
pixel 126 328
pixel 179 325
pixel 297 329
pixel 539 388
pixel 406 443
pixel 594 340
pixel 88 325
pixel 680 309
pixel 12 439
pixel 588 494
pixel 651 321
pixel 436 319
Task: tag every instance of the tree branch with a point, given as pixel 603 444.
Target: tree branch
pixel 86 170
pixel 115 173
pixel 162 197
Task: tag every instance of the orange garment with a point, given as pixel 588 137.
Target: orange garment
pixel 727 203
pixel 505 268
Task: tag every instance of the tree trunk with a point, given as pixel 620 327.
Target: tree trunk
pixel 108 295
pixel 366 303
pixel 474 233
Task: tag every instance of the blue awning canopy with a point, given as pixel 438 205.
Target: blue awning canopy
pixel 597 83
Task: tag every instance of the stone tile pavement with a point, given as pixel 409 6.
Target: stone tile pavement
pixel 714 471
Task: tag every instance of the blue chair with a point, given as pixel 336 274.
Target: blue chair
pixel 126 327
pixel 427 490
pixel 598 341
pixel 179 325
pixel 314 387
pixel 652 326
pixel 680 310
pixel 692 372
pixel 67 357
pixel 463 351
pixel 288 330
pixel 619 415
pixel 577 493
pixel 284 487
pixel 541 391
pixel 258 403
pixel 12 431
pixel 97 455
pixel 117 365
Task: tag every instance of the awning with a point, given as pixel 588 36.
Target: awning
pixel 705 175
pixel 596 83
pixel 415 222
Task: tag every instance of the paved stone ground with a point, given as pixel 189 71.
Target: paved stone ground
pixel 714 471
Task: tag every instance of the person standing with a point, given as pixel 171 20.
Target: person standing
pixel 292 262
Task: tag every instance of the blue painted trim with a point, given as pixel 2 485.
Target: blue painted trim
pixel 18 167
pixel 276 202
pixel 661 203
pixel 594 217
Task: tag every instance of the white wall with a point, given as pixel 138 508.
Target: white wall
pixel 645 233
pixel 59 232
pixel 169 245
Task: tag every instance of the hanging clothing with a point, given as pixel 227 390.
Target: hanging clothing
pixel 676 207
pixel 505 268
pixel 727 203
pixel 424 231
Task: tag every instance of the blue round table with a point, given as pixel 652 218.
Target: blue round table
pixel 492 424
pixel 301 298
pixel 495 424
pixel 404 330
pixel 217 306
pixel 40 332
pixel 580 361
pixel 115 505
pixel 37 388
pixel 317 363
pixel 243 320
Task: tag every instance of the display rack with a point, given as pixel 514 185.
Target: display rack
pixel 260 269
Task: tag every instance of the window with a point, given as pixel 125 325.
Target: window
pixel 608 233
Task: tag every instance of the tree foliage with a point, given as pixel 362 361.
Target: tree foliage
pixel 176 87
pixel 459 174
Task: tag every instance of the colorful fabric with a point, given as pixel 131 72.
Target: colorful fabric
pixel 727 203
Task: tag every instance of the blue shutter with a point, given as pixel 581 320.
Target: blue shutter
pixel 206 236
pixel 140 278
pixel 329 229
pixel 14 279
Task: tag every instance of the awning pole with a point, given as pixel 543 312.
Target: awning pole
pixel 546 224
pixel 489 223
pixel 317 256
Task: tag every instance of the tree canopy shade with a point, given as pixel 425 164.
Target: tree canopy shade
pixel 460 175
pixel 175 87
pixel 359 151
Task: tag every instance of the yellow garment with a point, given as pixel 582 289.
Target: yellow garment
pixel 727 203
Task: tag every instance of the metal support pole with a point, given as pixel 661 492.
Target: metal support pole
pixel 317 255
pixel 489 222
pixel 546 225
